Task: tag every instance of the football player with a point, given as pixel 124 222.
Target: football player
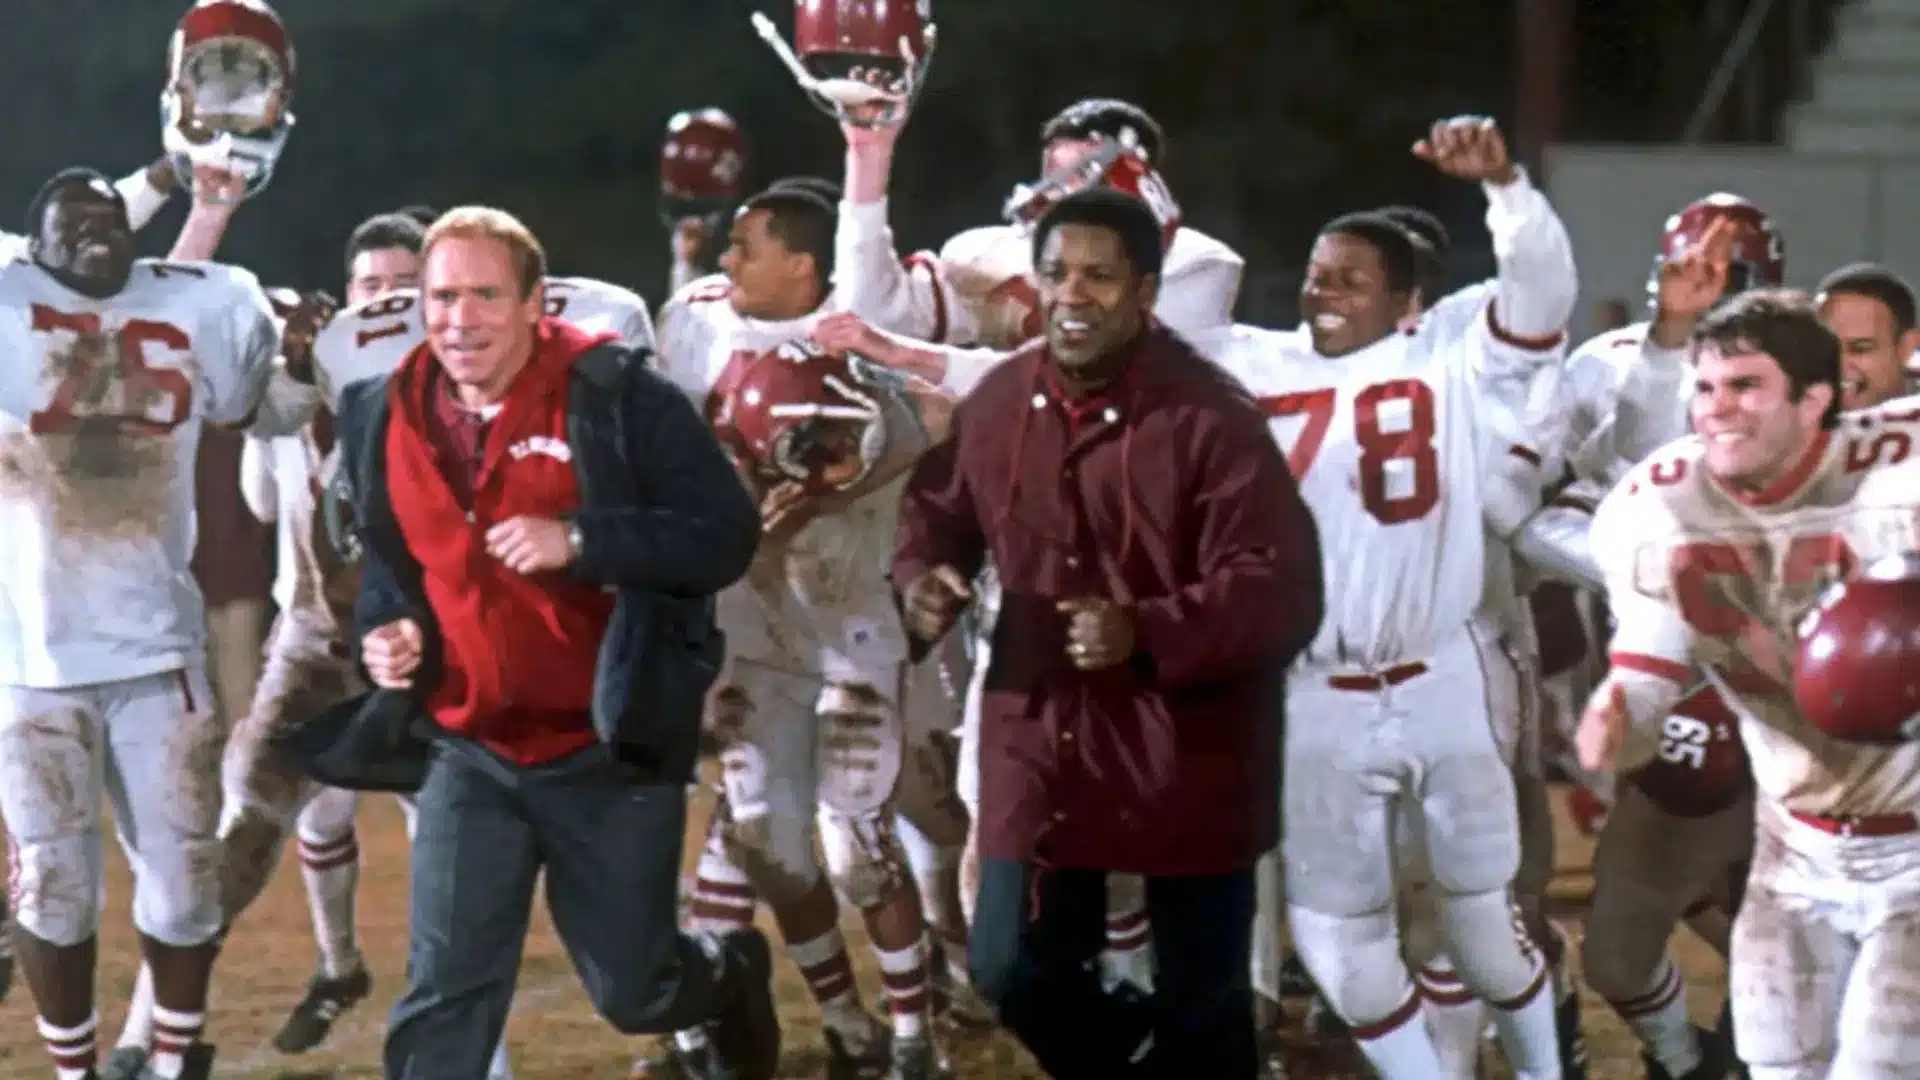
pixel 1393 435
pixel 1871 310
pixel 811 707
pixel 120 360
pixel 1714 548
pixel 1680 828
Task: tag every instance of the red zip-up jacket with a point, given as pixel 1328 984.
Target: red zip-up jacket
pixel 519 650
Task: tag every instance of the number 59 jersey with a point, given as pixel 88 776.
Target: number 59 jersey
pixel 1702 579
pixel 371 338
pixel 1391 446
pixel 101 404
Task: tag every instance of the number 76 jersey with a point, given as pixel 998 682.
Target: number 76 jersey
pixel 1702 579
pixel 101 406
pixel 1390 446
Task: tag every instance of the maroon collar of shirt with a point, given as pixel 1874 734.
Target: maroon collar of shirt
pixel 1079 409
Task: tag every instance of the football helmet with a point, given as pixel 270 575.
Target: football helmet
pixel 801 413
pixel 1759 256
pixel 228 100
pixel 1857 673
pixel 1119 163
pixel 703 165
pixel 1701 767
pixel 861 61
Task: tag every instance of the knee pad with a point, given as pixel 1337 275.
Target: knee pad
pixel 1356 962
pixel 859 750
pixel 57 886
pixel 863 857
pixel 328 817
pixel 1489 945
pixel 176 900
pixel 776 854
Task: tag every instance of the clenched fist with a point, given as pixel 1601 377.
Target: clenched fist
pixel 1469 147
pixel 934 602
pixel 309 317
pixel 1099 632
pixel 529 545
pixel 392 653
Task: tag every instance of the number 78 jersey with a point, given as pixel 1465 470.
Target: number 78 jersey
pixel 1390 446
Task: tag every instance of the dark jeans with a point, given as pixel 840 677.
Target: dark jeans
pixel 611 851
pixel 1036 941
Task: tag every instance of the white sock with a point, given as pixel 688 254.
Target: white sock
pixel 331 870
pixel 174 1033
pixel 1403 1051
pixel 1129 954
pixel 909 989
pixel 72 1049
pixel 138 1031
pixel 1529 1032
pixel 1659 1018
pixel 1455 1019
pixel 500 1068
pixel 824 963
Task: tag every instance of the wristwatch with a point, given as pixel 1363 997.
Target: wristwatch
pixel 574 541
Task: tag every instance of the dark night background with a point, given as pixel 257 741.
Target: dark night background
pixel 1279 113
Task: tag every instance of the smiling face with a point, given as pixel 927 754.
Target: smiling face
pixel 1743 407
pixel 479 319
pixel 1346 299
pixel 85 238
pixel 1092 298
pixel 1873 354
pixel 378 271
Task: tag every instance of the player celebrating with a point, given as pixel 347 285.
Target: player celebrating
pixel 1392 435
pixel 119 361
pixel 1714 548
pixel 814 686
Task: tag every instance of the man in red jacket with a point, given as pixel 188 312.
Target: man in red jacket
pixel 1159 572
pixel 490 579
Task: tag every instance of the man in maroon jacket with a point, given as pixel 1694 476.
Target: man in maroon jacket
pixel 1159 573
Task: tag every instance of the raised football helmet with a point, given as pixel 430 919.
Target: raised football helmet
pixel 703 165
pixel 801 413
pixel 1701 767
pixel 1857 673
pixel 1759 255
pixel 1118 163
pixel 861 61
pixel 228 101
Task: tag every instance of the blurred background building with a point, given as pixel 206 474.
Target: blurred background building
pixel 1280 113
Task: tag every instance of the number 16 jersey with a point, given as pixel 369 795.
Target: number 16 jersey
pixel 101 404
pixel 1390 446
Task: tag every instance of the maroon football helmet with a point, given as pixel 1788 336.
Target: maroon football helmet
pixel 1118 163
pixel 861 61
pixel 228 98
pixel 1857 675
pixel 1759 256
pixel 703 165
pixel 1702 764
pixel 801 413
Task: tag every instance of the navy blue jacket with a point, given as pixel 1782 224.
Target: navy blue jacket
pixel 664 520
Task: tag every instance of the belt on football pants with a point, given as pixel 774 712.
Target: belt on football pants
pixel 1872 825
pixel 1378 680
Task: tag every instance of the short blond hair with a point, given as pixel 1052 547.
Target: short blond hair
pixel 475 222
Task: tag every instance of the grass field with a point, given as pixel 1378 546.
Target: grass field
pixel 553 1031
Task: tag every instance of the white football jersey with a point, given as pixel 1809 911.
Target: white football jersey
pixel 1391 447
pixel 1623 397
pixel 1702 581
pixel 101 405
pixel 822 603
pixel 984 294
pixel 370 339
pixel 12 247
pixel 283 478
